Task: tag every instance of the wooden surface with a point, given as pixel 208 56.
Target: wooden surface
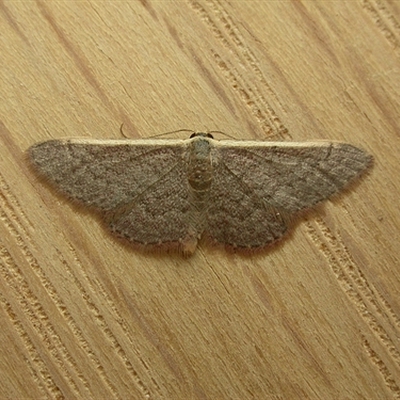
pixel 84 317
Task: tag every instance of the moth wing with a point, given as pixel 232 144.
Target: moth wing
pixel 140 185
pixel 105 174
pixel 293 176
pixel 160 215
pixel 237 216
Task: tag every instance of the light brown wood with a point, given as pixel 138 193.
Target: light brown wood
pixel 84 317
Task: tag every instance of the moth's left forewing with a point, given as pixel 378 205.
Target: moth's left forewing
pixel 104 173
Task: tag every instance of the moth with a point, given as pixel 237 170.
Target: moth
pixel 168 193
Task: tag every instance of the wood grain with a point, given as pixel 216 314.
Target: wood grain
pixel 84 317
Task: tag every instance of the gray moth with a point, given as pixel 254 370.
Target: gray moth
pixel 168 193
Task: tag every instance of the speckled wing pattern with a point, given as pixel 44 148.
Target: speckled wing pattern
pixel 140 185
pixel 237 216
pixel 268 182
pixel 143 186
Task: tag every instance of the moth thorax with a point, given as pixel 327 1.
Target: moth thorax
pixel 199 165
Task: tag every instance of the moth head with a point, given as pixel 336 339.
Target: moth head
pixel 201 134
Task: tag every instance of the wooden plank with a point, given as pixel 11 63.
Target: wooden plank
pixel 85 317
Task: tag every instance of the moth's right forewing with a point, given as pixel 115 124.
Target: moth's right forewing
pixel 293 176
